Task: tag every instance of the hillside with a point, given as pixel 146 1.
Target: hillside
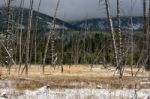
pixel 44 20
pixel 102 23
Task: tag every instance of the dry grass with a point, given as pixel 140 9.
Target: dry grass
pixel 79 76
pixel 98 70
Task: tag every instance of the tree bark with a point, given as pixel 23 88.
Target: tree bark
pixel 62 50
pixel 145 50
pixel 52 28
pixel 28 37
pixel 20 35
pixel 36 31
pixel 112 32
pixel 120 38
pixel 148 39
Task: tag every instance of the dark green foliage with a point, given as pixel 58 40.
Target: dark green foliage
pixel 98 45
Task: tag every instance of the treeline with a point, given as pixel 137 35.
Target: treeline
pixel 76 47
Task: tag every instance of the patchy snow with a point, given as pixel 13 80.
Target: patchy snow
pixel 6 93
pixel 45 93
pixel 56 26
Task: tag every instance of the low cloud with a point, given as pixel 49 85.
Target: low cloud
pixel 72 10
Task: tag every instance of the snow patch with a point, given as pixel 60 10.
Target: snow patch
pixel 46 93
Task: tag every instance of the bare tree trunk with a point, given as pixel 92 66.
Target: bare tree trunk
pixel 20 35
pixel 131 44
pixel 52 28
pixel 112 32
pixel 120 38
pixel 62 51
pixel 132 41
pixel 144 32
pixel 148 39
pixel 77 49
pixel 31 49
pixel 9 34
pixel 35 37
pixel 28 37
pixel 9 54
pixel 72 52
pixel 85 33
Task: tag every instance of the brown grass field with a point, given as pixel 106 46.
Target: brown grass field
pixel 75 76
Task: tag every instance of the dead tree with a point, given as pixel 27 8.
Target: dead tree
pixel 20 33
pixel 112 32
pixel 36 31
pixel 77 48
pixel 50 36
pixel 9 35
pixel 131 44
pixel 120 46
pixel 145 34
pixel 28 37
pixel 148 39
pixel 131 40
pixel 85 36
pixel 8 53
pixel 31 48
pixel 62 49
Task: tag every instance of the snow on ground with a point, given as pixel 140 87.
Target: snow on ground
pixel 45 93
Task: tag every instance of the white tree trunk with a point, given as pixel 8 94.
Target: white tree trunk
pixel 52 28
pixel 28 37
pixel 112 31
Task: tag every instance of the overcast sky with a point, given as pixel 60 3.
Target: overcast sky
pixel 72 10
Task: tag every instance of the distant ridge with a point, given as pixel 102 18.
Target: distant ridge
pixel 101 23
pixel 44 20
